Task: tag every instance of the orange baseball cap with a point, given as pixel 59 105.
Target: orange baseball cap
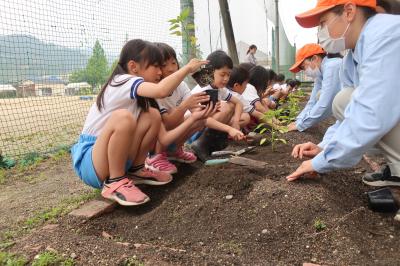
pixel 310 18
pixel 305 52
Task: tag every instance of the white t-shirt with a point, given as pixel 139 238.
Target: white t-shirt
pixel 247 107
pixel 115 97
pixel 250 95
pixel 223 94
pixel 175 99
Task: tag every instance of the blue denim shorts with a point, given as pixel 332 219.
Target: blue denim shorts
pixel 82 161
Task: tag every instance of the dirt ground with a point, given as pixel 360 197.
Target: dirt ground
pixel 40 124
pixel 268 221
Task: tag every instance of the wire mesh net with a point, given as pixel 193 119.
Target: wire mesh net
pixel 55 54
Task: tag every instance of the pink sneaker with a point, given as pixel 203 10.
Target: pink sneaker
pixel 150 177
pixel 182 156
pixel 160 163
pixel 124 192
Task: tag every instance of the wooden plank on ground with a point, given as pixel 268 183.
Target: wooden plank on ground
pixel 247 162
pixel 94 208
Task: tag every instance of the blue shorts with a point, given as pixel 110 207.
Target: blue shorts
pixel 82 161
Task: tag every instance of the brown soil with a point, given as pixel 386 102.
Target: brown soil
pixel 268 220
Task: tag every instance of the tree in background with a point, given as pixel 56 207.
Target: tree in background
pixel 96 71
pixel 97 67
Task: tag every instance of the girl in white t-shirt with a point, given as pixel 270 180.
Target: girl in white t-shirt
pixel 122 125
pixel 174 111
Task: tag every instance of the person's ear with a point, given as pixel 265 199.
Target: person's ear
pixel 133 67
pixel 350 11
pixel 380 10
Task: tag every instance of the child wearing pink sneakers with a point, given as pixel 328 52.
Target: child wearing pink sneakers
pixel 173 111
pixel 122 125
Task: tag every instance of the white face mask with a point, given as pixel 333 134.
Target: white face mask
pixel 312 73
pixel 329 44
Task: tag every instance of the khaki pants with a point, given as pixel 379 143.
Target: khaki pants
pixel 389 144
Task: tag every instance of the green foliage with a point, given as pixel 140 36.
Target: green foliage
pixel 6 163
pixel 78 76
pixel 319 225
pixel 113 66
pixel 30 159
pixel 96 71
pixel 289 112
pixel 55 212
pixel 180 26
pixel 97 67
pixel 133 261
pixel 60 152
pixel 2 176
pixel 8 259
pixel 274 130
pixel 49 258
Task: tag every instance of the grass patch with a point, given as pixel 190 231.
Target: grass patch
pixel 63 208
pixel 9 259
pixel 232 247
pixel 30 161
pixel 132 261
pixel 52 258
pixel 319 225
pixel 2 176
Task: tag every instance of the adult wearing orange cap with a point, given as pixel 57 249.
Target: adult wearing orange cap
pixel 373 113
pixel 324 69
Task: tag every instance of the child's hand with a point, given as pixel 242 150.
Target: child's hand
pixel 195 64
pixel 292 127
pixel 308 149
pixel 218 106
pixel 268 91
pixel 236 134
pixel 194 100
pixel 205 113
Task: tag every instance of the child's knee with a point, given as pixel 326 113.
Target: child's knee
pixel 228 108
pixel 123 119
pixel 245 118
pixel 152 115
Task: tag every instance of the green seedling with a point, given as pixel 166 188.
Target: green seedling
pixel 273 129
pixel 319 225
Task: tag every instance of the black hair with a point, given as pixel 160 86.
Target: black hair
pixel 219 59
pixel 238 75
pixel 334 55
pixel 247 66
pixel 260 77
pixel 167 51
pixel 368 11
pixel 280 77
pixel 142 52
pixel 251 47
pixel 292 83
pixel 390 6
pixel 288 80
pixel 322 56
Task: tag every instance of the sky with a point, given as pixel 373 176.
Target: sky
pixel 249 22
pixel 78 23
